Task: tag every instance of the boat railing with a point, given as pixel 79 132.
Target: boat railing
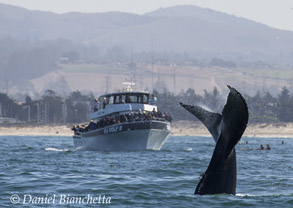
pixel 131 117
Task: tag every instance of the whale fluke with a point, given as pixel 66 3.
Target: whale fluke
pixel 210 119
pixel 226 129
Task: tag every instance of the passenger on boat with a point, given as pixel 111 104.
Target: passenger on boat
pixel 153 100
pixel 139 116
pixel 123 118
pixel 131 117
pixel 121 100
pixel 98 124
pixel 78 130
pixel 112 121
pixel 159 114
pixel 149 116
pixel 104 103
pixel 154 113
pixel 96 105
pixel 92 125
pixel 107 121
pixel 74 130
pixel 169 118
pixel 103 122
pixel 83 128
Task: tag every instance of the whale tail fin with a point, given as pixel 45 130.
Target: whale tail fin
pixel 234 118
pixel 220 176
pixel 211 120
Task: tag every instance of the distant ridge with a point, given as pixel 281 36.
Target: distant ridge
pixel 178 29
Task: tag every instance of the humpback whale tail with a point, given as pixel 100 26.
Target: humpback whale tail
pixel 226 129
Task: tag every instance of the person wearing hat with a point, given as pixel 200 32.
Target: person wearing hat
pixel 96 105
pixel 104 103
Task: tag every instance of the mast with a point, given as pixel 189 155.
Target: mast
pixel 129 83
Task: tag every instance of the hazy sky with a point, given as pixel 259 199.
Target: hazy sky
pixel 276 13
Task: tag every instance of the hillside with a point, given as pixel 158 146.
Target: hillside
pixel 183 41
pixel 100 79
pixel 180 29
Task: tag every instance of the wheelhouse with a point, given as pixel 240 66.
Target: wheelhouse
pixel 123 103
pixel 123 98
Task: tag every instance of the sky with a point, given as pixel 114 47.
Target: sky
pixel 275 13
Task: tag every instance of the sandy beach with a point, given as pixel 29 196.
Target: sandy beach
pixel 283 130
pixel 179 128
pixel 36 130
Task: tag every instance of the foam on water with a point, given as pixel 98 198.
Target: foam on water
pixel 263 195
pixel 188 149
pixel 56 150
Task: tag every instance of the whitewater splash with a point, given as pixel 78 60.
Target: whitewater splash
pixel 264 195
pixel 56 150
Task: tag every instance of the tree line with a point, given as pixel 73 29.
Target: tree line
pixel 50 108
pixel 263 106
pixel 75 108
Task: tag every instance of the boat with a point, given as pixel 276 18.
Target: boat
pixel 124 121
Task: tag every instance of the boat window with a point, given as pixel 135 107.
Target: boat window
pixel 136 98
pixel 143 98
pixel 140 99
pixel 111 100
pixel 132 98
pixel 117 99
pixel 120 99
pixel 146 98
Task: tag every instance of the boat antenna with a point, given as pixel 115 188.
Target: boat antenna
pixel 152 64
pixel 129 83
pixel 131 60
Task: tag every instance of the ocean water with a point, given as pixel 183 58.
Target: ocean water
pixel 48 172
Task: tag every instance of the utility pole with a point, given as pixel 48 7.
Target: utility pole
pixel 38 113
pixel 46 112
pixel 174 78
pixel 108 83
pixel 152 68
pixel 29 113
pixel 0 109
pixel 64 108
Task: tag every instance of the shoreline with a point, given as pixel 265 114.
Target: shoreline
pixel 261 130
pixel 179 128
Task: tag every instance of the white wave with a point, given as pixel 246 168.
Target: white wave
pixel 244 195
pixel 79 148
pixel 263 195
pixel 188 149
pixel 56 150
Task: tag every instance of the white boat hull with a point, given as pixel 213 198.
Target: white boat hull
pixel 130 137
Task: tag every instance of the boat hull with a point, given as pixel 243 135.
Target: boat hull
pixel 150 135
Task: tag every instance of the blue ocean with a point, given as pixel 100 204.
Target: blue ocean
pixel 43 171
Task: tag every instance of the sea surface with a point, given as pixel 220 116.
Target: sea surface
pixel 38 171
